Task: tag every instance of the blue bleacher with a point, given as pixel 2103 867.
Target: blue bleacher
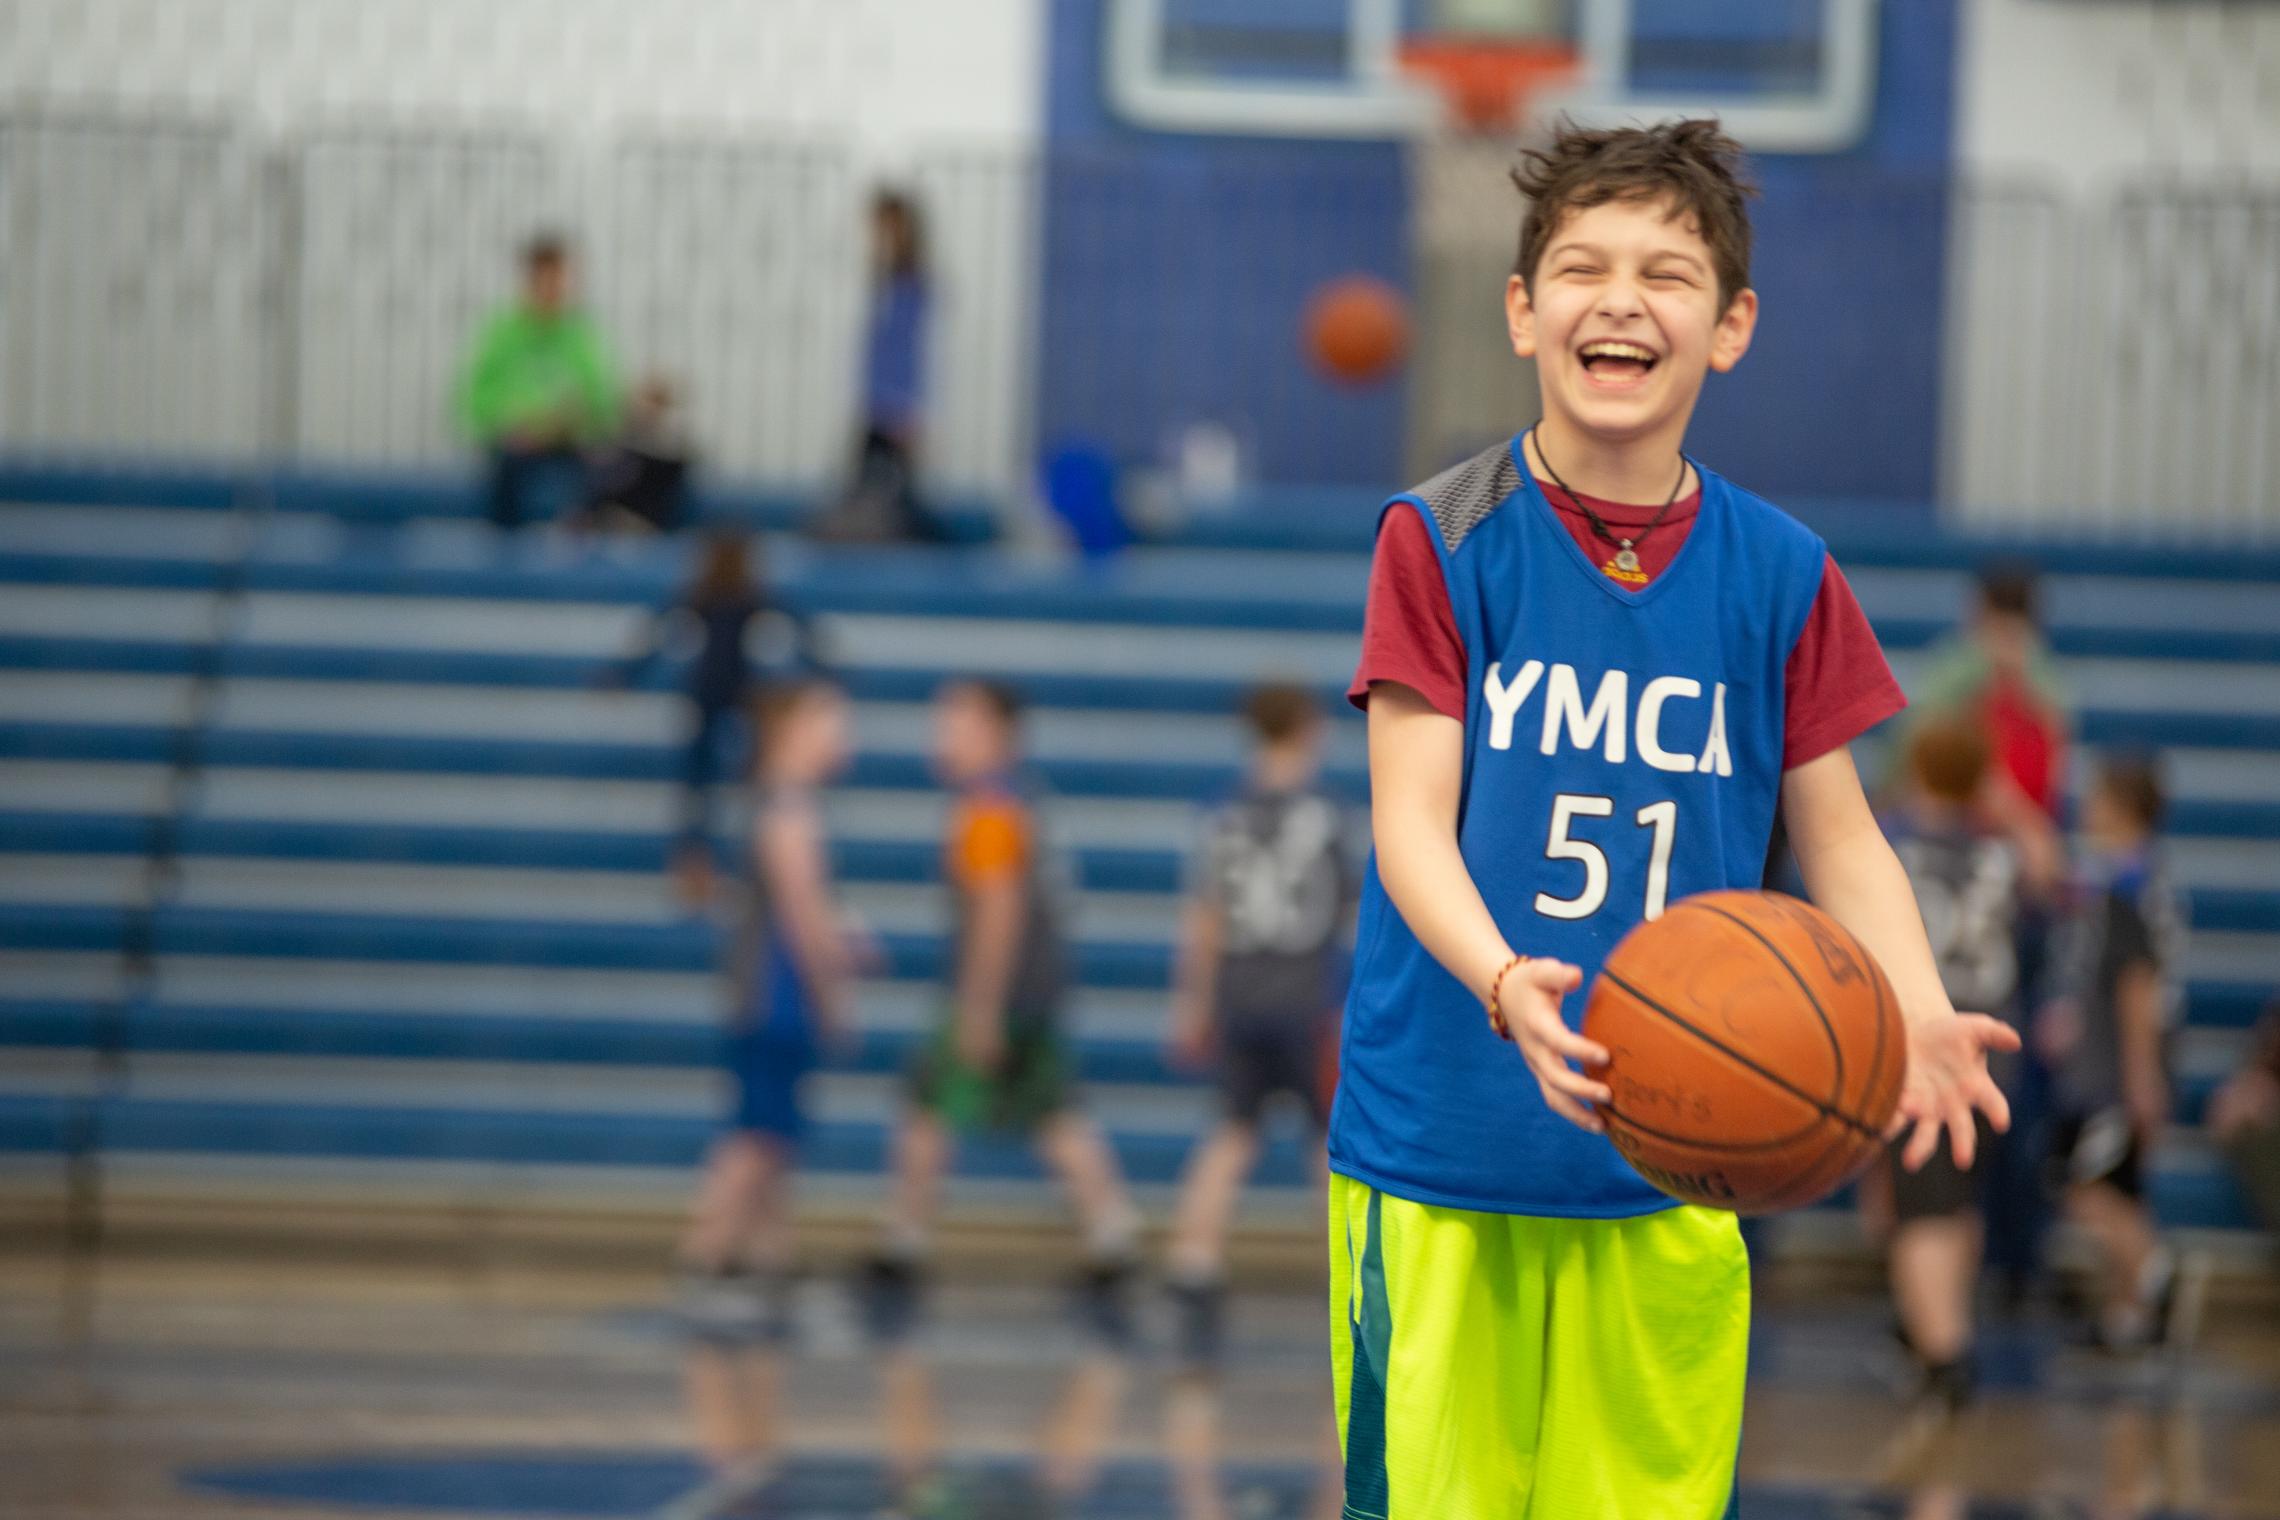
pixel 412 911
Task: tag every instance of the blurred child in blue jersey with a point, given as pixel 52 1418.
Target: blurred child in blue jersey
pixel 1967 881
pixel 2106 1037
pixel 793 982
pixel 1257 980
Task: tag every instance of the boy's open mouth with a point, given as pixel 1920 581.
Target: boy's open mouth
pixel 1612 360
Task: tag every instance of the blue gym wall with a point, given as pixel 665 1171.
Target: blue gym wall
pixel 1176 266
pixel 1175 270
pixel 1839 396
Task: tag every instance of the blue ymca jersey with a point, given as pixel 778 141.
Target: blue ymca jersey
pixel 1622 750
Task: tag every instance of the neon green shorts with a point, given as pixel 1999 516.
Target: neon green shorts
pixel 1497 1366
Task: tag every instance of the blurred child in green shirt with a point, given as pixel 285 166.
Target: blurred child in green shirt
pixel 538 387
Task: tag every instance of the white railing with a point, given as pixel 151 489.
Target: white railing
pixel 187 291
pixel 192 293
pixel 2114 366
pixel 133 256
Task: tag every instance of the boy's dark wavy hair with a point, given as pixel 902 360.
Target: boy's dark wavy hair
pixel 1692 164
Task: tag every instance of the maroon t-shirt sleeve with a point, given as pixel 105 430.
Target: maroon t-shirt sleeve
pixel 1409 633
pixel 1838 685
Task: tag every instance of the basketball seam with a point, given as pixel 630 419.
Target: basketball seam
pixel 1836 1046
pixel 1751 1148
pixel 1876 983
pixel 1840 1149
pixel 1744 1061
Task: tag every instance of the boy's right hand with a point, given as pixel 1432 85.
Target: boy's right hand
pixel 1530 1002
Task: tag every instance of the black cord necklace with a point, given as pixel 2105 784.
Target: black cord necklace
pixel 1626 556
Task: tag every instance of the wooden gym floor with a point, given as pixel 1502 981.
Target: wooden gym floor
pixel 143 1386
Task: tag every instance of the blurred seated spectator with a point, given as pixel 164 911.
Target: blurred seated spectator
pixel 536 390
pixel 638 482
pixel 2244 1116
pixel 1998 671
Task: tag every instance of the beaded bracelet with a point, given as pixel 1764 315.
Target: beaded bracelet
pixel 1495 998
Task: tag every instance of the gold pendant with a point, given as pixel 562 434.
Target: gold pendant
pixel 1626 560
pixel 1628 574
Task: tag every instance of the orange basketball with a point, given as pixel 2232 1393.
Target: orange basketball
pixel 1755 1051
pixel 1357 328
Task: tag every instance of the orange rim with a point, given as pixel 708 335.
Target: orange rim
pixel 1487 83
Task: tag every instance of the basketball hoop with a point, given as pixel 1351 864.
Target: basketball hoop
pixel 1486 81
pixel 1464 384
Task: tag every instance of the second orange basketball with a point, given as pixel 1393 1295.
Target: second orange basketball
pixel 1357 328
pixel 1756 1051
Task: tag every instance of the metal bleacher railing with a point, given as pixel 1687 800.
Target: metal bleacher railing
pixel 190 292
pixel 2114 366
pixel 185 290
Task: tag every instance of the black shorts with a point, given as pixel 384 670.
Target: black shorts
pixel 1260 1057
pixel 2098 1147
pixel 1940 1188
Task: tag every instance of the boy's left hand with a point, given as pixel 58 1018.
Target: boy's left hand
pixel 1947 1080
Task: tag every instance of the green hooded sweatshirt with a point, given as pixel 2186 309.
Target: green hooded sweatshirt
pixel 547 373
